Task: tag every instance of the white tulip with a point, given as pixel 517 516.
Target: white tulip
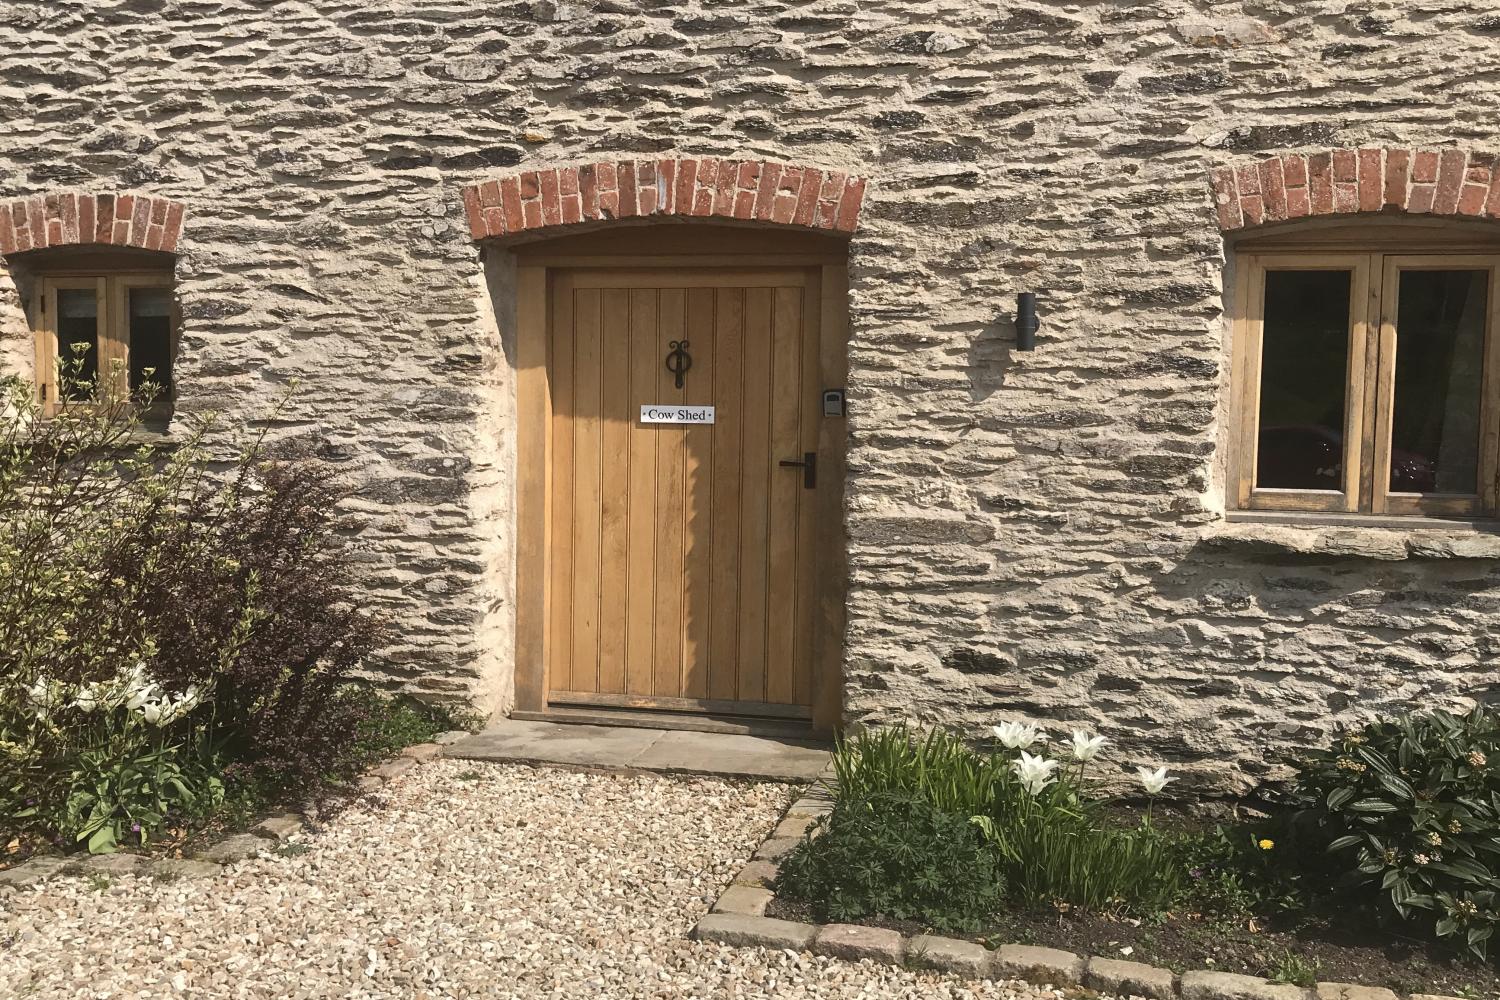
pixel 1153 781
pixel 1035 772
pixel 151 711
pixel 1016 735
pixel 1086 746
pixel 139 694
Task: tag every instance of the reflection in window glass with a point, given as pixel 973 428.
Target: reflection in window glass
pixel 1304 361
pixel 78 341
pixel 150 341
pixel 1439 366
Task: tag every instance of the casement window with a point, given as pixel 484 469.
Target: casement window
pixel 104 336
pixel 1366 382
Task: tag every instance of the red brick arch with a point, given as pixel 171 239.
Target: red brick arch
pixel 1354 181
pixel 704 187
pixel 70 218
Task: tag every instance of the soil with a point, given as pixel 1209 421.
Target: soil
pixel 1183 942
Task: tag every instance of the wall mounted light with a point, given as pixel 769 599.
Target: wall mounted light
pixel 1026 321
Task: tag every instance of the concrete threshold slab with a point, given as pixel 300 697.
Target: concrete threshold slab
pixel 618 748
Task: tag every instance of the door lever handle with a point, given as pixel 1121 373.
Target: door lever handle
pixel 809 467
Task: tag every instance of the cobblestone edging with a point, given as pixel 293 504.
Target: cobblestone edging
pixel 738 919
pixel 236 847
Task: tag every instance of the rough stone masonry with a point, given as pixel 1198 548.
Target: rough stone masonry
pixel 1033 535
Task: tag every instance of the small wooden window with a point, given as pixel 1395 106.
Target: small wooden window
pixel 1367 383
pixel 104 337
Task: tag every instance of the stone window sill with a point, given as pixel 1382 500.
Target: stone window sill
pixel 1353 537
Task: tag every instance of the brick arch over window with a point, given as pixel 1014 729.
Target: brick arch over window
pixel 1355 181
pixel 705 187
pixel 69 219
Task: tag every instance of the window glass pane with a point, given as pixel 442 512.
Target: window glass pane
pixel 1440 325
pixel 151 340
pixel 78 341
pixel 1304 370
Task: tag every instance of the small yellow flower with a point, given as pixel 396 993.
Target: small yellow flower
pixel 1265 844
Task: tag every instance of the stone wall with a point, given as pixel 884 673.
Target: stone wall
pixel 1030 534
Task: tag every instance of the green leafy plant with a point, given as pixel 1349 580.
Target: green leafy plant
pixel 896 856
pixel 1408 812
pixel 1293 969
pixel 389 723
pixel 936 767
pixel 112 799
pixel 1058 856
pixel 1237 872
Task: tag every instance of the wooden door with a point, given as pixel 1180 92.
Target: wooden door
pixel 681 556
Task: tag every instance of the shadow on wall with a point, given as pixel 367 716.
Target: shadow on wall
pixel 1220 661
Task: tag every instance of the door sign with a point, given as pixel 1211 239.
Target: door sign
pixel 668 413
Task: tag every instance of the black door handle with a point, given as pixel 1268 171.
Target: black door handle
pixel 809 467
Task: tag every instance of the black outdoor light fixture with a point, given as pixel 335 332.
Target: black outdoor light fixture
pixel 1026 321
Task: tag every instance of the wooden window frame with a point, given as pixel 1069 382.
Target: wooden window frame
pixel 1370 381
pixel 112 289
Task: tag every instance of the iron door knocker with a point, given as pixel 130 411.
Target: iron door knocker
pixel 679 360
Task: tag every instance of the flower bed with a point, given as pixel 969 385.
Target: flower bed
pixel 178 635
pixel 1378 865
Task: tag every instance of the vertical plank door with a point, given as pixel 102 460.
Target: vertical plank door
pixel 680 554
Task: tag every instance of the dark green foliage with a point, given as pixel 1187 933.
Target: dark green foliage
pixel 1237 872
pixel 385 725
pixel 1407 815
pixel 899 857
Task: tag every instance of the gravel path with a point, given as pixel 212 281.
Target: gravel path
pixel 460 880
